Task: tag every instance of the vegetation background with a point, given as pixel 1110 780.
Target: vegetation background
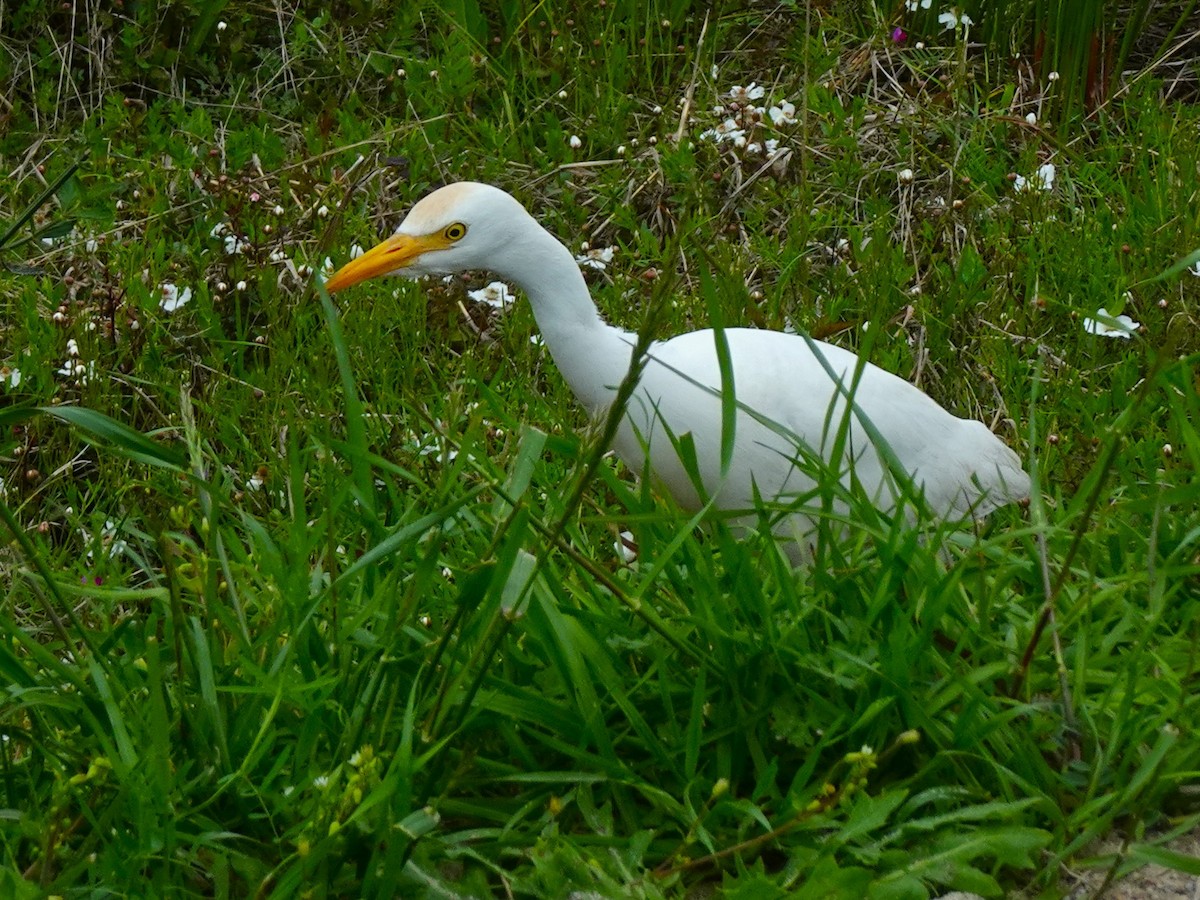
pixel 316 600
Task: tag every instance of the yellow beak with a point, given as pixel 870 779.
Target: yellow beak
pixel 396 252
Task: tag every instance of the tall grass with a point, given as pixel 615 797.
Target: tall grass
pixel 314 598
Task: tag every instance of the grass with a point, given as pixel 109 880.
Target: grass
pixel 305 598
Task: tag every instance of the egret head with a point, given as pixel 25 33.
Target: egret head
pixel 461 226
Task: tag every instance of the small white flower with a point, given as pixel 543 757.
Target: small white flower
pixel 575 142
pixel 221 26
pixel 952 19
pixel 920 45
pixel 1031 118
pixel 72 347
pixel 771 145
pixel 108 535
pixel 496 295
pixel 783 114
pixel 914 4
pixel 1053 76
pixel 235 245
pixel 277 256
pixel 752 91
pixel 596 259
pixel 321 782
pixel 217 230
pixel 1117 326
pixel 562 95
pixel 1195 269
pixel 254 482
pixel 621 150
pixel 241 286
pixel 356 251
pixel 714 71
pixel 626 547
pixel 278 210
pixel 726 131
pixel 754 147
pixel 90 245
pixel 172 297
pixel 1042 181
pixel 657 110
pixel 906 176
pixel 10 377
pixel 434 449
pixel 322 210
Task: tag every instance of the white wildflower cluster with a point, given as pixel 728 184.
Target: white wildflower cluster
pixel 1043 180
pixel 234 244
pixel 74 367
pixel 114 545
pixel 171 298
pixel 497 295
pixel 745 125
pixel 440 455
pixel 1105 324
pixel 595 258
pixel 952 19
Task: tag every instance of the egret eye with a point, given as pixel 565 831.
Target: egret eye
pixel 455 231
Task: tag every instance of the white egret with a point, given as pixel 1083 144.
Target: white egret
pixel 790 391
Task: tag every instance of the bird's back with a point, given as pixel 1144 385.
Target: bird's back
pixel 788 394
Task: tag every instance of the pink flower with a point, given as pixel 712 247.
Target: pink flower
pixel 898 35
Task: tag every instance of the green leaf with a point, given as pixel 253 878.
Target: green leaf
pixel 971 270
pixel 754 887
pixel 870 813
pixel 899 887
pixel 1171 271
pixel 1163 856
pixel 116 436
pixel 829 881
pixel 7 233
pixel 54 230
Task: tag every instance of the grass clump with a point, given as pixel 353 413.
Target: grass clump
pixel 308 598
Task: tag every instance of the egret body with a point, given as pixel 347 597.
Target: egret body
pixel 791 392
